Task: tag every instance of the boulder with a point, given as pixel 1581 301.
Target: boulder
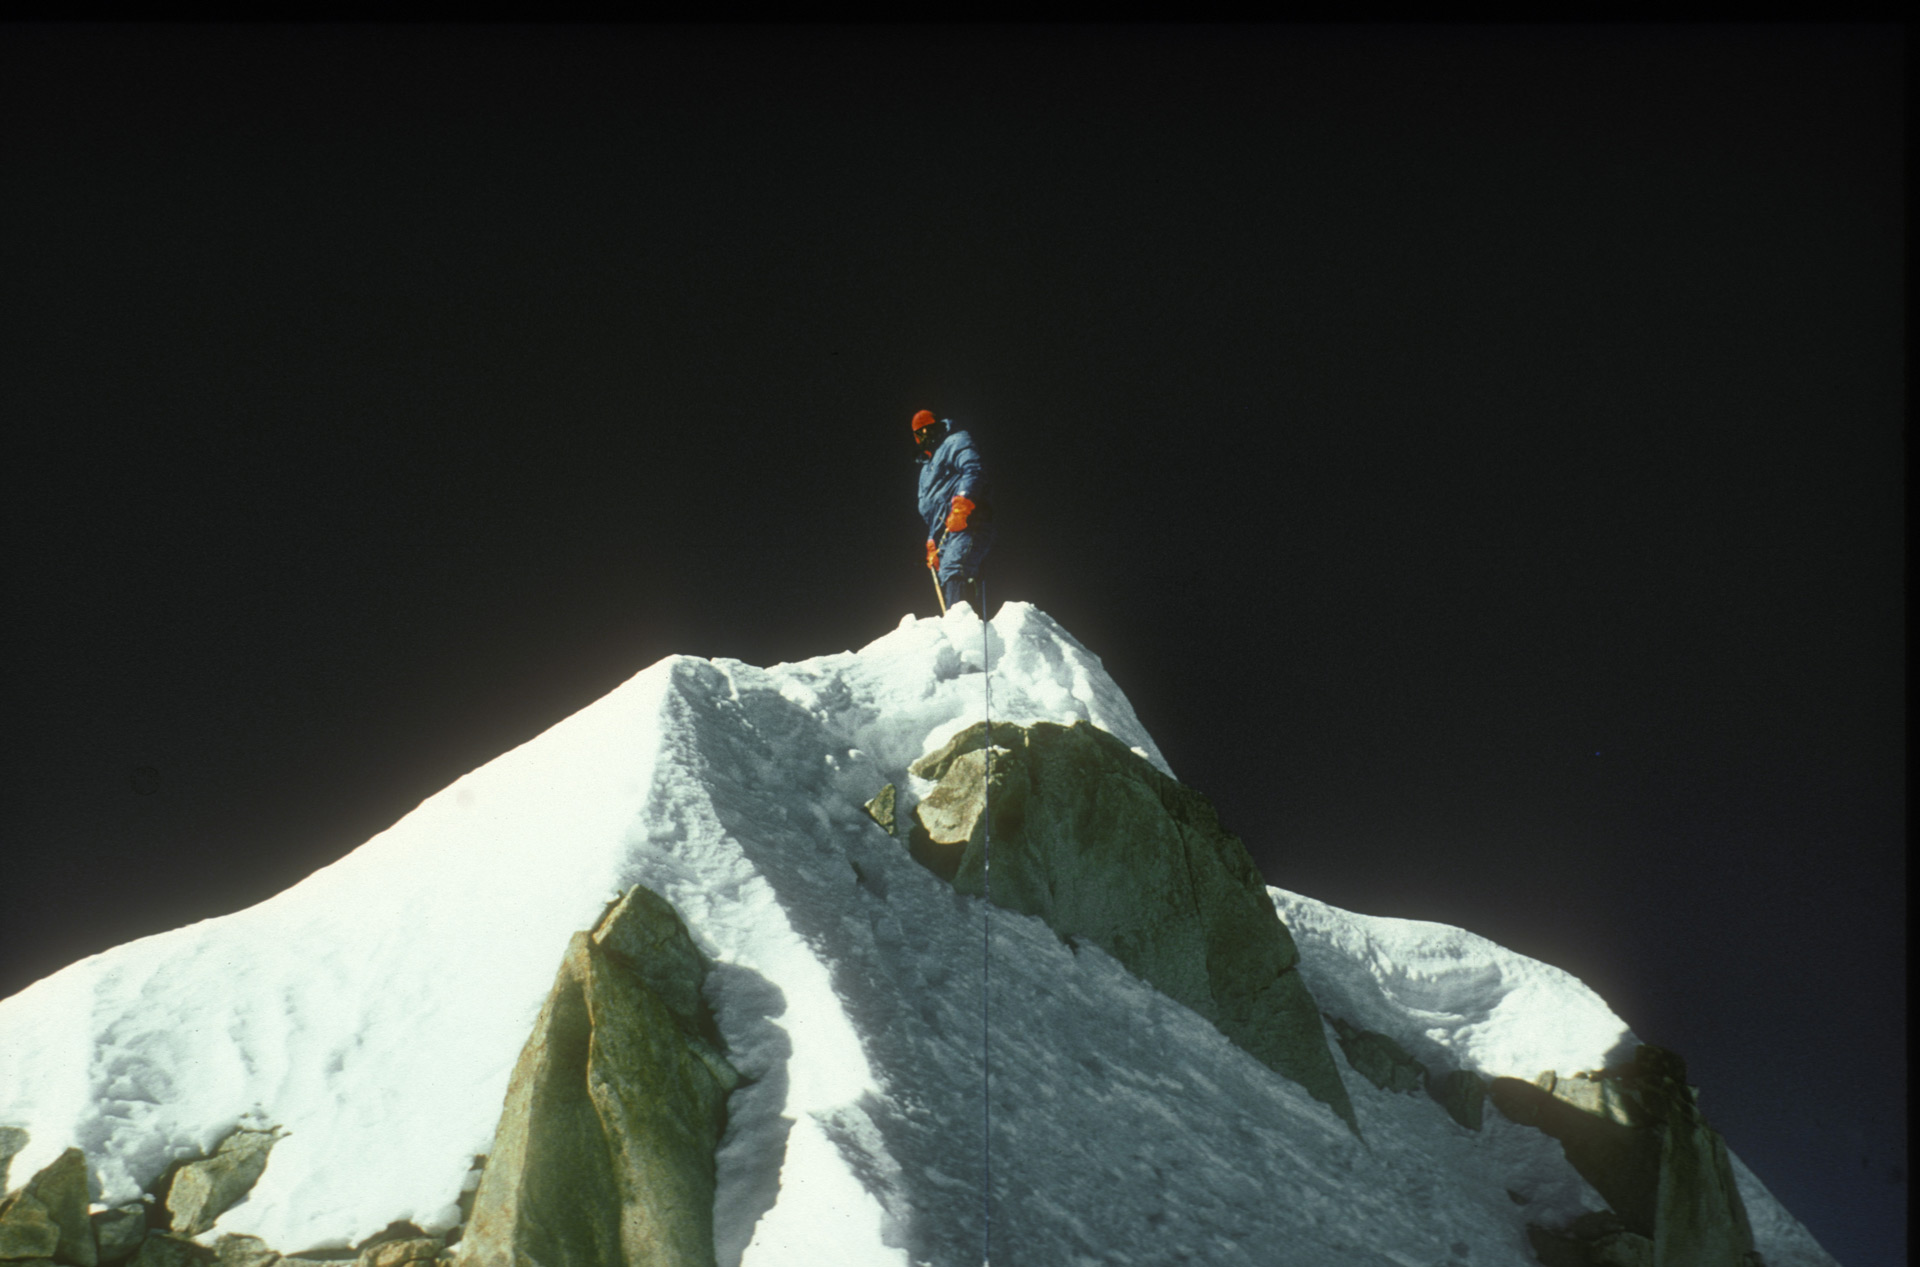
pixel 1636 1134
pixel 881 809
pixel 204 1190
pixel 117 1232
pixel 27 1230
pixel 605 1149
pixel 244 1251
pixel 52 1203
pixel 416 1249
pixel 163 1249
pixel 1378 1059
pixel 1090 837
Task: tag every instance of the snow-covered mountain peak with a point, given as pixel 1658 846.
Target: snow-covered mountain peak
pixel 372 1014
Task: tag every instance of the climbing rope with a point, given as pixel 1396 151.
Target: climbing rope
pixel 986 931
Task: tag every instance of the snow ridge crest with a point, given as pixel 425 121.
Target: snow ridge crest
pixel 372 1014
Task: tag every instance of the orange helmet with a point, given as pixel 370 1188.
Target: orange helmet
pixel 928 432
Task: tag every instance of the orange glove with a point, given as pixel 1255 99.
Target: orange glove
pixel 933 556
pixel 957 517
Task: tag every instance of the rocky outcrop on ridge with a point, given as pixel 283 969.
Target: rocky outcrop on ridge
pixel 1389 1066
pixel 1598 1239
pixel 605 1150
pixel 118 1231
pixel 1090 837
pixel 47 1219
pixel 201 1191
pixel 1378 1059
pixel 1635 1132
pixel 1462 1093
pixel 604 1154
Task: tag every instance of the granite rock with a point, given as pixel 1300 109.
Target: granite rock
pixel 164 1249
pixel 605 1149
pixel 117 1232
pixel 56 1199
pixel 1089 836
pixel 204 1190
pixel 1635 1132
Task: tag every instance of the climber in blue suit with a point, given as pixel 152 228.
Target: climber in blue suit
pixel 957 505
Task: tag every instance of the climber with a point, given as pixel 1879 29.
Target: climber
pixel 957 505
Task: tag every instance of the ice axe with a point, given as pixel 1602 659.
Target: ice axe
pixel 937 591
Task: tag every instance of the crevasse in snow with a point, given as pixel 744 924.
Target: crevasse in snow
pixel 374 1011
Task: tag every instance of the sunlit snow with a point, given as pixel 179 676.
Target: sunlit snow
pixel 373 1012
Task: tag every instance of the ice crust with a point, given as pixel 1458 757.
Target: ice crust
pixel 374 1011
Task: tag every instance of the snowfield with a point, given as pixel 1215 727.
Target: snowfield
pixel 374 1011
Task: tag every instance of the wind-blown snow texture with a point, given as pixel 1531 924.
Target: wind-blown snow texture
pixel 374 1011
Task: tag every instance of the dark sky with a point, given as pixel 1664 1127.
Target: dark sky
pixel 1477 452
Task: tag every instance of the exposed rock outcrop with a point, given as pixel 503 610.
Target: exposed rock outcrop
pixel 244 1251
pixel 1389 1066
pixel 27 1229
pixel 1594 1240
pixel 1105 848
pixel 47 1218
pixel 881 809
pixel 204 1190
pixel 403 1252
pixel 117 1232
pixel 1462 1093
pixel 1377 1058
pixel 605 1150
pixel 1636 1134
pixel 604 1155
pixel 165 1249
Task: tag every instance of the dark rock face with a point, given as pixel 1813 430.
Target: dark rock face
pixel 1594 1240
pixel 1378 1059
pixel 1462 1093
pixel 163 1249
pixel 1621 1161
pixel 118 1232
pixel 604 1155
pixel 1389 1066
pixel 1636 1134
pixel 1093 839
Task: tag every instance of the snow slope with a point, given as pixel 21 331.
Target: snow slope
pixel 374 1011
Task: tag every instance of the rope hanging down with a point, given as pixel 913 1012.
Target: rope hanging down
pixel 986 930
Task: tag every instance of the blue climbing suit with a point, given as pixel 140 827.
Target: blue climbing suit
pixel 955 469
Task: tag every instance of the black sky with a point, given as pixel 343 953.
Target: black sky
pixel 1478 453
